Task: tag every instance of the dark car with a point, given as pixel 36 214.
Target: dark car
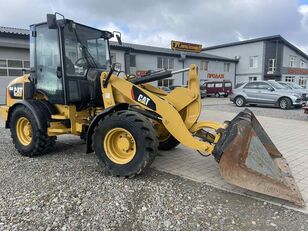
pixel 218 88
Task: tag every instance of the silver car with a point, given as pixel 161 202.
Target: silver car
pixel 265 92
pixel 296 88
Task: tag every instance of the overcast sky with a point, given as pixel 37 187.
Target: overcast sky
pixel 156 22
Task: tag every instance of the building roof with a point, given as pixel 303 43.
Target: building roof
pixel 267 38
pixel 14 37
pixel 11 30
pixel 165 51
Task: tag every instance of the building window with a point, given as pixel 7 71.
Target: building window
pixel 226 67
pixel 253 61
pixel 15 72
pixel 292 61
pixel 113 57
pixel 289 78
pixel 3 72
pixel 303 64
pixel 132 60
pixel 252 78
pixel 15 63
pixel 204 65
pixel 272 65
pixel 14 67
pixel 165 82
pixel 3 63
pixel 26 64
pixel 302 82
pixel 166 63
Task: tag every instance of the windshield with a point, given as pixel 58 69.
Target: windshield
pixel 295 86
pixel 276 85
pixel 84 48
pixel 285 85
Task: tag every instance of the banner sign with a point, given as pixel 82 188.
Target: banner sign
pixel 182 46
pixel 215 76
pixel 297 71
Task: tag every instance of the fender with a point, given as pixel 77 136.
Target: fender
pixel 41 111
pixel 97 118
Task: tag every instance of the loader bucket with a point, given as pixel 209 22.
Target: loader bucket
pixel 248 158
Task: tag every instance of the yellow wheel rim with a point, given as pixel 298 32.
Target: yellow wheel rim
pixel 24 131
pixel 120 146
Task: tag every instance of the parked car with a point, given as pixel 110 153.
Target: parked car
pixel 296 88
pixel 306 109
pixel 218 88
pixel 265 92
pixel 203 91
pixel 166 89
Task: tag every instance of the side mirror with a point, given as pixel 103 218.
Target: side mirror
pixel 271 89
pixel 52 21
pixel 116 67
pixel 117 34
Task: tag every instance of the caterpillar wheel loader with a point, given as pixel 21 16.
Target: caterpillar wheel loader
pixel 73 88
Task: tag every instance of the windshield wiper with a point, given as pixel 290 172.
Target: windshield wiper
pixel 86 53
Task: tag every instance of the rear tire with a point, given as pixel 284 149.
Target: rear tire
pixel 142 143
pixel 285 103
pixel 217 95
pixel 240 101
pixel 28 139
pixel 168 144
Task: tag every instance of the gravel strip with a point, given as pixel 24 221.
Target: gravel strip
pixel 68 190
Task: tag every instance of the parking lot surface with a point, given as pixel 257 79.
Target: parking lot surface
pixel 225 105
pixel 67 189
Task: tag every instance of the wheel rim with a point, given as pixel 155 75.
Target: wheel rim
pixel 239 101
pixel 119 145
pixel 24 131
pixel 283 104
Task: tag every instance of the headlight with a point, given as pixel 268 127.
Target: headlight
pixel 296 95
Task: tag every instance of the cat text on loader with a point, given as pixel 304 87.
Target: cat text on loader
pixel 73 89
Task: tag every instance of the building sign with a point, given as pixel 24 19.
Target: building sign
pixel 297 71
pixel 215 76
pixel 182 46
pixel 141 73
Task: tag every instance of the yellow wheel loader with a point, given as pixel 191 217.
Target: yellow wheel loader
pixel 73 88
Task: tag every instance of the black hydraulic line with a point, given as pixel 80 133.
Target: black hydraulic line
pixel 152 77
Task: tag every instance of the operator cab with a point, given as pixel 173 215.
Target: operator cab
pixel 66 60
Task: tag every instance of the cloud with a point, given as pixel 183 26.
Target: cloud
pixel 303 10
pixel 156 22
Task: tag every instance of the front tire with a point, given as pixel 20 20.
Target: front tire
pixel 285 103
pixel 125 142
pixel 240 101
pixel 28 139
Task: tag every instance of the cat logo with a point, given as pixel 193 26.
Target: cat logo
pixel 16 91
pixel 143 99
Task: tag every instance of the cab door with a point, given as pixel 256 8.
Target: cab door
pixel 46 62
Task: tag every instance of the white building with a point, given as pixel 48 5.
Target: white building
pixel 265 58
pixel 137 59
